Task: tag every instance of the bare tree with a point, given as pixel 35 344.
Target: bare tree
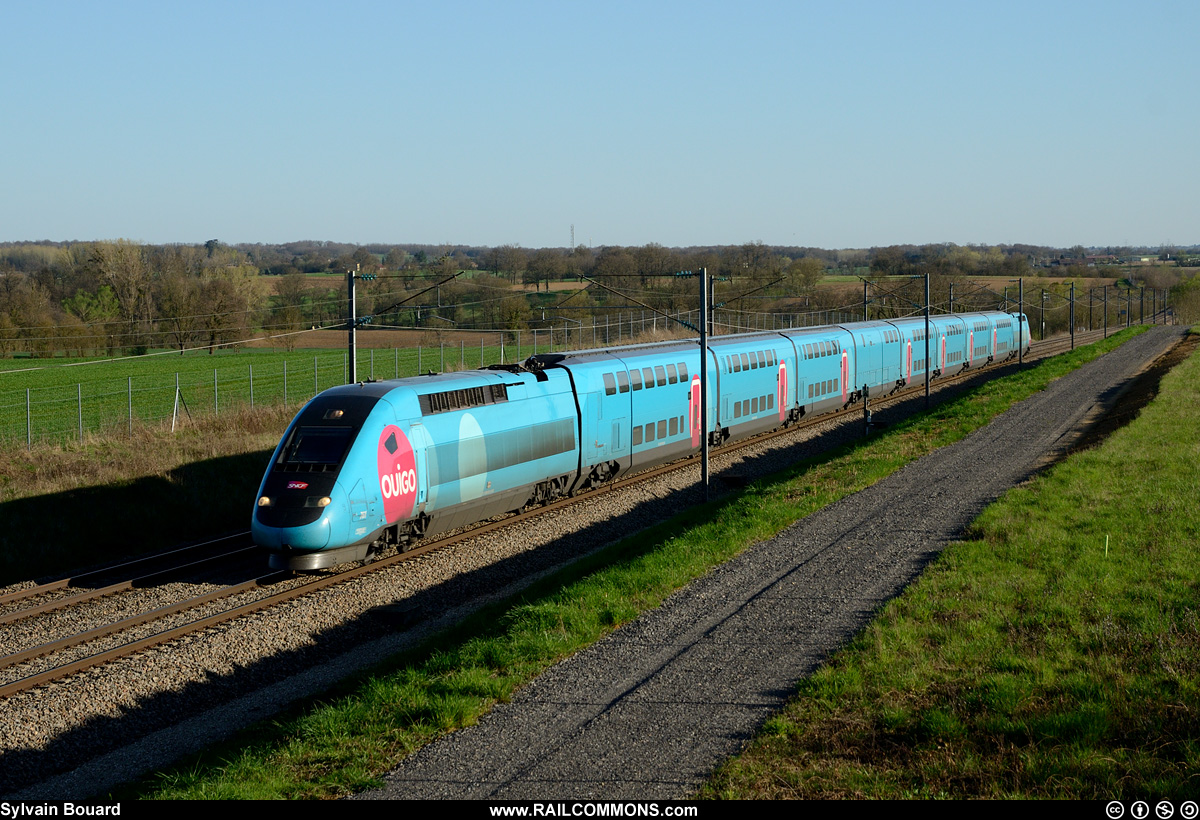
pixel 122 266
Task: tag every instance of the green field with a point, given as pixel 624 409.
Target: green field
pixel 50 400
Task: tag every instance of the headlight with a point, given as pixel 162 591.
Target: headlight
pixel 313 501
pixel 264 501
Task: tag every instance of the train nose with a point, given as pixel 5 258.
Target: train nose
pixel 297 521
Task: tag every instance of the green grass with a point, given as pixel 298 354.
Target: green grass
pixel 343 742
pixel 208 383
pixel 1054 654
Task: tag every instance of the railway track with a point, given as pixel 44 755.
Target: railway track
pixel 174 610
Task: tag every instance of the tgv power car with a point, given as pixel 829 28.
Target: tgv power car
pixel 374 464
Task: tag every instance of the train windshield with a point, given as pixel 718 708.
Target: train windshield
pixel 317 445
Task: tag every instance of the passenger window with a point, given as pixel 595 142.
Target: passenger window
pixel 745 362
pixel 737 364
pixel 650 432
pixel 737 409
pixel 674 425
pixel 762 360
pixel 754 405
pixel 635 376
pixel 648 377
pixel 672 376
pixel 610 386
pixel 622 381
pixel 683 374
pixel 637 435
pixel 770 401
pixel 662 429
pixel 661 374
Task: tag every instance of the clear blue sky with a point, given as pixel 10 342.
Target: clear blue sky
pixel 830 124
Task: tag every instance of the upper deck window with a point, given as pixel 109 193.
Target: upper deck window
pixel 448 400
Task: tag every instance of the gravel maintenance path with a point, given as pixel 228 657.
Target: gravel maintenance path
pixel 649 712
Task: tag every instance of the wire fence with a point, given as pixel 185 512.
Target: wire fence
pixel 59 404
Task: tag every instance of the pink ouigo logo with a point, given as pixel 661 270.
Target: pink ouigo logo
pixel 397 474
pixel 781 389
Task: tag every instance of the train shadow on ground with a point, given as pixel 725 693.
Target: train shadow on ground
pixel 96 525
pixel 21 769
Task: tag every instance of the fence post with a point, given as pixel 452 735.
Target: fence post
pixel 418 360
pixel 462 354
pixel 397 350
pixel 216 404
pixel 131 401
pixel 28 423
pixel 372 364
pixel 442 366
pixel 251 386
pixel 285 401
pixel 79 399
pixel 481 361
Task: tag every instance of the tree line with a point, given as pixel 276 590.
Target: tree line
pixel 124 297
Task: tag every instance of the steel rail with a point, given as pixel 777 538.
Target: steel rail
pixel 111 589
pixel 63 583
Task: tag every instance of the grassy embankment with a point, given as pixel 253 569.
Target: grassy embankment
pixel 63 508
pixel 1056 653
pixel 344 741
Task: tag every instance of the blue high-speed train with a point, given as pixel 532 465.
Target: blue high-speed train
pixel 370 465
